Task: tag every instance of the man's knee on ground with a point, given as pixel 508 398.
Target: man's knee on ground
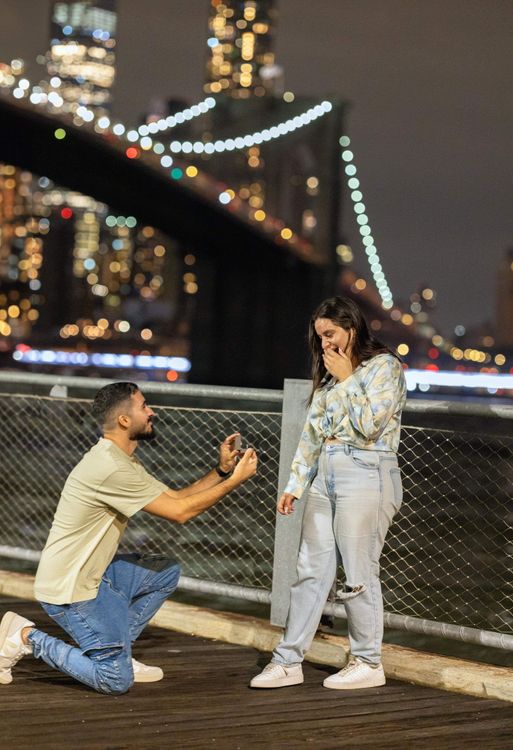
pixel 114 672
pixel 118 686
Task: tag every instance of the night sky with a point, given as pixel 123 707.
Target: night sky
pixel 430 85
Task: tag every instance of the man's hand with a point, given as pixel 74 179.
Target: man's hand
pixel 337 364
pixel 247 466
pixel 286 504
pixel 227 454
pixel 182 507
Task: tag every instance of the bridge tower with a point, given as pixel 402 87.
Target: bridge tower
pixel 297 178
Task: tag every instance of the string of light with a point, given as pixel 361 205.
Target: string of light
pixel 359 208
pixel 36 95
pixel 141 137
pixel 253 139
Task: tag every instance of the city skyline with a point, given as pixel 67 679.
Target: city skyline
pixel 434 215
pixel 94 260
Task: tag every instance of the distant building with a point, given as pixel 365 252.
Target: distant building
pixel 23 226
pixel 296 178
pixel 81 61
pixel 241 60
pixel 73 271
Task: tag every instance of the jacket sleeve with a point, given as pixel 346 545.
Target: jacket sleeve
pixel 370 404
pixel 306 458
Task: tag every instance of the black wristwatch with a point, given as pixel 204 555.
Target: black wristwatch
pixel 221 473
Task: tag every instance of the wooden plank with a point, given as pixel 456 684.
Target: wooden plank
pixel 429 670
pixel 204 702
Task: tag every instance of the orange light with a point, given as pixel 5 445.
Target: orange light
pixel 172 375
pixel 132 153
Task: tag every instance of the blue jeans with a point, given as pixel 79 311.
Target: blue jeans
pixel 131 591
pixel 348 511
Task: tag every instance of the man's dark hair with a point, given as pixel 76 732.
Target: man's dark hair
pixel 109 398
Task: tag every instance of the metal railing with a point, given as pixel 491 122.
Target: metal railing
pixel 447 561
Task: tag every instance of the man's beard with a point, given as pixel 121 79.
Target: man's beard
pixel 144 435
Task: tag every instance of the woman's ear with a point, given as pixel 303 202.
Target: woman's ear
pixel 350 340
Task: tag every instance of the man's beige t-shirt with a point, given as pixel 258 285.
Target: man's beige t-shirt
pixel 102 492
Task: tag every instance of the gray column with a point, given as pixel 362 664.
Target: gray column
pixel 288 528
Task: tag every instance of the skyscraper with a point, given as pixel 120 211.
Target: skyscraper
pixel 23 227
pixel 296 178
pixel 241 58
pixel 79 271
pixel 80 66
pixel 81 59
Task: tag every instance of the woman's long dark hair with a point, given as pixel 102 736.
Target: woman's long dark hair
pixel 344 313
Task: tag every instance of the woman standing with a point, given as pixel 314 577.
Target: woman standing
pixel 347 459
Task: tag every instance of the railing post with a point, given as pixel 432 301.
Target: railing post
pixel 288 528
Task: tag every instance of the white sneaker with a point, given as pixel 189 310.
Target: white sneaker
pixel 355 675
pixel 12 648
pixel 144 673
pixel 276 676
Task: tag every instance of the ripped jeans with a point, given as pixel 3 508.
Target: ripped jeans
pixel 131 591
pixel 348 511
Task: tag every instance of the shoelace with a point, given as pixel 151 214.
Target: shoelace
pixel 273 669
pixel 351 667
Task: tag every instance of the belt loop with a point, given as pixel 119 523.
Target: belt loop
pixel 347 449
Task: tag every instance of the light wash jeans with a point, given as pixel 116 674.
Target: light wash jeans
pixel 349 508
pixel 131 591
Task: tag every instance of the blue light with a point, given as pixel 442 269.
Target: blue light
pixel 143 361
pixel 81 359
pixel 180 364
pixel 67 30
pixel 416 378
pixel 212 42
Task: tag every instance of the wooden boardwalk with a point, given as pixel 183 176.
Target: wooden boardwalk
pixel 204 702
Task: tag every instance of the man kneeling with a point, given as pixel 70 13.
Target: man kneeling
pixel 103 600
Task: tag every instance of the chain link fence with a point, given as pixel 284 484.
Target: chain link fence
pixel 448 556
pixel 44 438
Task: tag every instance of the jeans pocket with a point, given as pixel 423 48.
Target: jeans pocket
pixel 395 476
pixel 365 459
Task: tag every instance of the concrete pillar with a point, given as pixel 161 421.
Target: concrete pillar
pixel 288 528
